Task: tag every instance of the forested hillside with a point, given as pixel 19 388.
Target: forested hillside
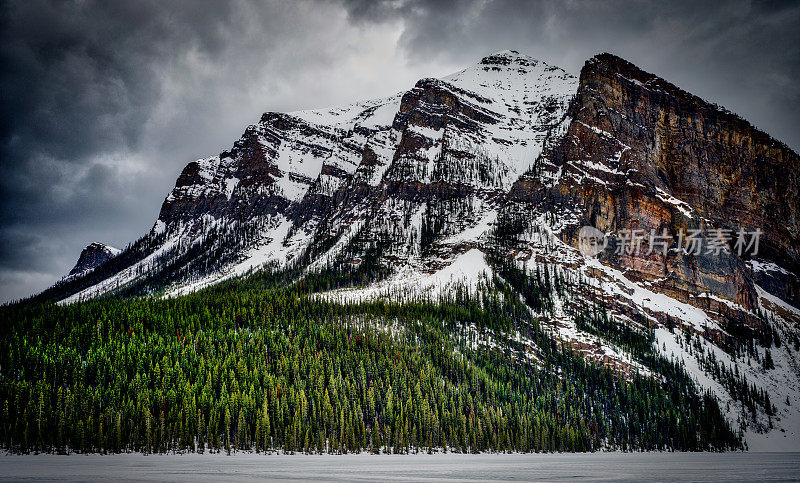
pixel 260 364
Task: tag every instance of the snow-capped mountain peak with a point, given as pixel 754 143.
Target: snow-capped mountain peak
pixel 94 255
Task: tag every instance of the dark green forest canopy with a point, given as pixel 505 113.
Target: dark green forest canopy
pixel 258 364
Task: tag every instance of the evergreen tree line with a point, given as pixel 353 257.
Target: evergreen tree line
pixel 256 364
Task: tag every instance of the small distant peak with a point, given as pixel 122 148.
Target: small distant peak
pixel 97 246
pixel 94 255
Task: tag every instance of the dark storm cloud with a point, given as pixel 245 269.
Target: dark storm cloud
pixel 744 55
pixel 102 103
pixel 78 81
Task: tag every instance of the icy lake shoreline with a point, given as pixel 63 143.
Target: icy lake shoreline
pixel 420 467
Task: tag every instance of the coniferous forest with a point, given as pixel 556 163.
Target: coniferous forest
pixel 260 364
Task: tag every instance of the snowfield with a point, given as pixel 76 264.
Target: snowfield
pixel 466 270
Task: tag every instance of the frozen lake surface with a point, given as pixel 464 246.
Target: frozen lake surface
pixel 422 467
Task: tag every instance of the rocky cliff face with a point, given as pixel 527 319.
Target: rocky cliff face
pixel 641 154
pixel 92 257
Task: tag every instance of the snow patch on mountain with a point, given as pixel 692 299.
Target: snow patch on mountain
pixel 466 270
pixel 373 114
pixel 475 232
pixel 270 251
pixel 528 97
pixel 618 285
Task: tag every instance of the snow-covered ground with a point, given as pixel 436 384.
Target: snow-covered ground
pixel 420 467
pixel 466 270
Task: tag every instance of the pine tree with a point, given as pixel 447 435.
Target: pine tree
pixel 768 363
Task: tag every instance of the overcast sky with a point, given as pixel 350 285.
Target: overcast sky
pixel 103 103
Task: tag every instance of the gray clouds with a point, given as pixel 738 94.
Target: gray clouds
pixel 102 103
pixel 744 55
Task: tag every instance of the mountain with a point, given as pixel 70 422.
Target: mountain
pixel 92 257
pixel 491 173
pixel 295 183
